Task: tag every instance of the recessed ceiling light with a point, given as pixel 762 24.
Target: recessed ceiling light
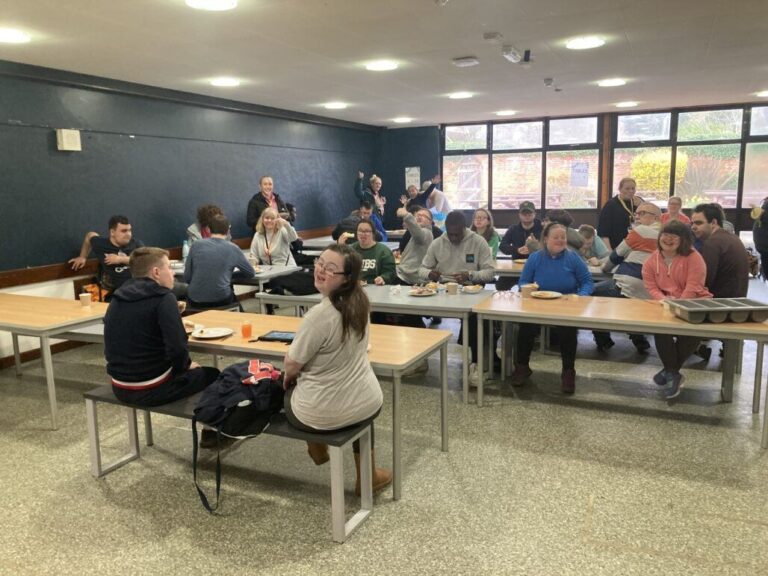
pixel 225 82
pixel 763 94
pixel 629 104
pixel 585 42
pixel 610 82
pixel 506 113
pixel 212 5
pixel 13 36
pixel 402 120
pixel 460 95
pixel 381 65
pixel 335 105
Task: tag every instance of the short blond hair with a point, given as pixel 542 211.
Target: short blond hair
pixel 143 259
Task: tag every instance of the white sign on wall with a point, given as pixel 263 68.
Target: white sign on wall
pixel 412 176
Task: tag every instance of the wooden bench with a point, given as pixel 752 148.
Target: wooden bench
pixel 278 426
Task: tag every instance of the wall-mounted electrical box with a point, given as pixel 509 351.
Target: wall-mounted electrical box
pixel 68 140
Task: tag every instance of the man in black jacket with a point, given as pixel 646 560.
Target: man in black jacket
pixel 145 343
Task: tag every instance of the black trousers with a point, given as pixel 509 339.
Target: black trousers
pixel 299 425
pixel 186 384
pixel 524 344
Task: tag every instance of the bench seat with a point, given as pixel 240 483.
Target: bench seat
pixel 278 426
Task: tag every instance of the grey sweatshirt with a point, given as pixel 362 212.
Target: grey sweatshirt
pixel 411 257
pixel 209 268
pixel 472 254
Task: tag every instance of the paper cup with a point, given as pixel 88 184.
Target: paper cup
pixel 85 299
pixel 452 288
pixel 528 289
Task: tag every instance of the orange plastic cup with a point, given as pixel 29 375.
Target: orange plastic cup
pixel 246 330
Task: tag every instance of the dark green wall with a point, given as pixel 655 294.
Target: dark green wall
pixel 155 155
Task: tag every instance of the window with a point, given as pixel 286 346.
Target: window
pixel 709 125
pixel 650 167
pixel 516 178
pixel 572 179
pixel 707 174
pixel 518 135
pixel 573 131
pixel 643 127
pixel 465 180
pixel 472 137
pixel 759 125
pixel 755 174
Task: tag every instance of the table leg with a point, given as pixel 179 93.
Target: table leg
pixel 730 352
pixel 491 349
pixel 480 375
pixel 503 352
pixel 444 395
pixel 396 439
pixel 16 353
pixel 465 356
pixel 758 377
pixel 45 351
pixel 262 306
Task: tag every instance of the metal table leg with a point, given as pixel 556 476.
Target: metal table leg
pixel 444 395
pixel 758 377
pixel 45 350
pixel 16 353
pixel 480 375
pixel 396 439
pixel 465 356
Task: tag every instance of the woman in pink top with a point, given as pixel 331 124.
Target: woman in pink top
pixel 675 270
pixel 675 211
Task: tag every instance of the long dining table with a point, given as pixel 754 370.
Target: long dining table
pixel 621 314
pixel 44 318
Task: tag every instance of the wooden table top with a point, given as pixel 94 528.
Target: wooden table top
pixel 611 314
pixel 40 314
pixel 392 347
pixel 512 268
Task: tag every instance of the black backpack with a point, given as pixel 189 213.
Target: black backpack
pixel 238 404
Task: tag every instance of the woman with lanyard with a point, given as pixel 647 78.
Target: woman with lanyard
pixel 272 242
pixel 618 214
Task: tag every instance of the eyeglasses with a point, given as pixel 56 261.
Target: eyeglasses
pixel 364 232
pixel 644 213
pixel 321 265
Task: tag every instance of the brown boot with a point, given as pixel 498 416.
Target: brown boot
pixel 381 476
pixel 318 452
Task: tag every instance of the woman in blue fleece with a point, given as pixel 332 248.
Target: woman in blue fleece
pixel 552 268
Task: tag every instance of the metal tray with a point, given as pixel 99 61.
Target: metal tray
pixel 719 310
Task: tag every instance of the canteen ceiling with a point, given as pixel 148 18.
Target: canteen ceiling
pixel 298 54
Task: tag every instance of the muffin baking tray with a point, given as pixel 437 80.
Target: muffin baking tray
pixel 719 310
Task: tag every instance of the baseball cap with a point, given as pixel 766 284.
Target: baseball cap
pixel 527 206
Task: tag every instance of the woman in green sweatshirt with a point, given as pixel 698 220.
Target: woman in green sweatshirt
pixel 378 261
pixel 482 224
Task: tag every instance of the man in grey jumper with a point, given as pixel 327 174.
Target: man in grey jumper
pixel 460 256
pixel 420 227
pixel 210 266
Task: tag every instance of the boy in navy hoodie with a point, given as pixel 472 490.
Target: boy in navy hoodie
pixel 145 343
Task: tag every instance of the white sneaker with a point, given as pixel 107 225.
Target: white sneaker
pixel 474 376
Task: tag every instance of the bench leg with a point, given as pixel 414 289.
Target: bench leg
pixel 97 468
pixel 148 428
pixel 342 528
pixel 45 351
pixel 16 353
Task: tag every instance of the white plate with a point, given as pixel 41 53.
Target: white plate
pixel 546 294
pixel 211 333
pixel 520 261
pixel 471 289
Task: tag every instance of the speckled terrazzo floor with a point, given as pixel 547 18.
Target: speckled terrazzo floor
pixel 610 481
